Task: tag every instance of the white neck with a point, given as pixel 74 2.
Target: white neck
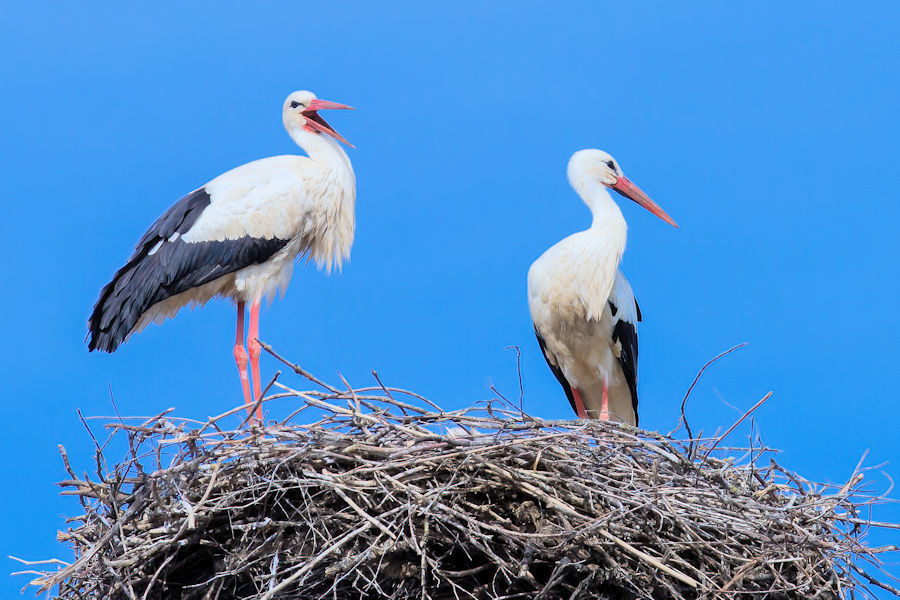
pixel 608 220
pixel 321 148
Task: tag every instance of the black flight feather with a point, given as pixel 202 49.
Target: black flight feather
pixel 625 334
pixel 149 276
pixel 551 362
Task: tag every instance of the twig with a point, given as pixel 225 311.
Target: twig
pixel 687 394
pixel 519 375
pixel 736 423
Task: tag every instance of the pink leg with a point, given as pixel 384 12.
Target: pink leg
pixel 604 407
pixel 240 354
pixel 579 404
pixel 255 350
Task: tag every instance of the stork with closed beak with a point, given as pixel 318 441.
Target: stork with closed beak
pixel 584 312
pixel 238 237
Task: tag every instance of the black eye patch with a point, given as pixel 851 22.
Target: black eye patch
pixel 611 165
pixel 295 104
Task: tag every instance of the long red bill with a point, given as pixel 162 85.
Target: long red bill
pixel 326 104
pixel 624 186
pixel 316 122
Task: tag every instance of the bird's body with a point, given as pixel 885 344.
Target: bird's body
pixel 591 350
pixel 253 222
pixel 584 312
pixel 238 236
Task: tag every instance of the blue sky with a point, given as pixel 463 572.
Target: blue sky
pixel 768 131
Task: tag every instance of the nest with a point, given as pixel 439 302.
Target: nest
pixel 384 495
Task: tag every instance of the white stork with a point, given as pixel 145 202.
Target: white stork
pixel 237 237
pixel 582 306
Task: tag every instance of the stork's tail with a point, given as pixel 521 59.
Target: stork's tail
pixel 161 269
pixel 118 309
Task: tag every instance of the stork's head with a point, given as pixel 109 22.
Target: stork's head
pixel 588 166
pixel 301 110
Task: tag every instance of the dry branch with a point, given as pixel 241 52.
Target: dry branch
pixel 384 495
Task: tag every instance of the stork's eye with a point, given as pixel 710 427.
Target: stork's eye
pixel 611 165
pixel 295 104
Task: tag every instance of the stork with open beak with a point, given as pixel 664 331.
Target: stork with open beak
pixel 238 237
pixel 584 312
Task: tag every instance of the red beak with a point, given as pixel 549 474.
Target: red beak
pixel 317 123
pixel 325 104
pixel 624 186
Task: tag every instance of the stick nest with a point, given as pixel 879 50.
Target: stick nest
pixel 385 495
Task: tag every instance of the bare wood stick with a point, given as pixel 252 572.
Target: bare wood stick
pixel 298 369
pixel 736 423
pixel 650 560
pixel 309 566
pixel 694 382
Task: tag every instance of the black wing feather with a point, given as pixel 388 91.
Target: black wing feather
pixel 556 370
pixel 175 267
pixel 625 334
pixel 179 218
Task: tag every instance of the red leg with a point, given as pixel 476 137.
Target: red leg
pixel 255 350
pixel 604 407
pixel 240 354
pixel 579 404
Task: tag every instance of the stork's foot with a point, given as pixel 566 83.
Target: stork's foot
pixel 579 404
pixel 604 406
pixel 241 358
pixel 255 350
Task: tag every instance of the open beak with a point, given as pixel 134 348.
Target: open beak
pixel 317 123
pixel 624 186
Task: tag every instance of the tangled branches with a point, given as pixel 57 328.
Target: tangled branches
pixel 384 495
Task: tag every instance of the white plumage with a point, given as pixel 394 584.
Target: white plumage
pixel 283 197
pixel 584 312
pixel 238 237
